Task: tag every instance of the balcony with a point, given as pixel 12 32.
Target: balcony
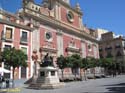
pixel 73 49
pixel 23 41
pixel 48 49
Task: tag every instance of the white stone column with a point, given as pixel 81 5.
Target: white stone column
pixel 11 72
pixel 19 72
pixel 27 72
pixel 2 67
pixel 32 69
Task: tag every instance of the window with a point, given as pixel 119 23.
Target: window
pixel 48 36
pixel 42 74
pixel 24 36
pixel 89 47
pixel 70 16
pixel 9 32
pixel 117 45
pixel 7 18
pixel 52 73
pixel 7 46
pixel 72 43
pixel 24 49
pixel 108 47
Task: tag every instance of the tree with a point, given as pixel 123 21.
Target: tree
pixel 106 63
pixel 75 62
pixel 84 65
pixel 61 62
pixel 92 63
pixel 14 58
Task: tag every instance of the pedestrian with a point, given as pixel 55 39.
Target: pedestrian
pixel 7 83
pixel 0 78
pixel 3 79
pixel 3 83
pixel 0 81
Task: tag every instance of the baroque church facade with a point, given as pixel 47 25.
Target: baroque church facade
pixel 53 27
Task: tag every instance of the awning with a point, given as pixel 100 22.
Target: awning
pixel 3 70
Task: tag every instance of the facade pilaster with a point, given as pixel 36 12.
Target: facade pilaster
pixel 59 42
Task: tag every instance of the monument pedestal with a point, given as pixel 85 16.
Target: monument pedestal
pixel 47 79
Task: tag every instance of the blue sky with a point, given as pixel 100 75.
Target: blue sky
pixel 106 14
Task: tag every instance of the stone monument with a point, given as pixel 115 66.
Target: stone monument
pixel 47 75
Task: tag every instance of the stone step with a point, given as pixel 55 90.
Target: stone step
pixel 39 80
pixel 46 86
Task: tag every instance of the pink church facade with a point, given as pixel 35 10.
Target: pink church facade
pixel 57 31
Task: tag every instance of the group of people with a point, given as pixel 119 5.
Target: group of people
pixel 2 79
pixel 3 83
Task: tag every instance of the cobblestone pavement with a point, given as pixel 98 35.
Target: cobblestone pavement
pixel 104 85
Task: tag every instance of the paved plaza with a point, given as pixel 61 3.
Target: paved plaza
pixel 104 85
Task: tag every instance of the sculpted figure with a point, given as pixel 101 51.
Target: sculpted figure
pixel 47 61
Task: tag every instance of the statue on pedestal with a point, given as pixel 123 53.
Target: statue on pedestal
pixel 47 61
pixel 47 77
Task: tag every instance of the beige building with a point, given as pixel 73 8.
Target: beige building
pixel 99 32
pixel 112 46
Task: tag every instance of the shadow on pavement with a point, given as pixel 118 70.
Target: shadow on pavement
pixel 116 88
